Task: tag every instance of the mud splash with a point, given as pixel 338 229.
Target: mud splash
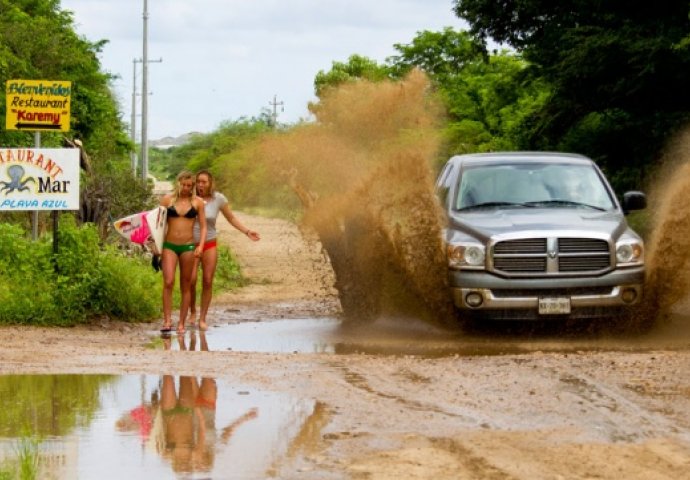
pixel 668 282
pixel 363 173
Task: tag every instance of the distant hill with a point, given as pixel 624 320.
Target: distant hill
pixel 167 142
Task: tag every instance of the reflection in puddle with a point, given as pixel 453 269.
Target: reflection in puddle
pixel 109 427
pixel 314 335
pixel 413 337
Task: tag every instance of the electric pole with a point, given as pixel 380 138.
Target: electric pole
pixel 274 116
pixel 133 126
pixel 145 98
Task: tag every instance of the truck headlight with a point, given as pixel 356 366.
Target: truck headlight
pixel 629 253
pixel 466 255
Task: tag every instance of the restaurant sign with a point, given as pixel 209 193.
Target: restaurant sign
pixel 38 105
pixel 39 179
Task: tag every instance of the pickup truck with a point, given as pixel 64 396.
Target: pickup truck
pixel 538 235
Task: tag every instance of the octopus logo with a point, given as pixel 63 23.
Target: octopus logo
pixel 17 181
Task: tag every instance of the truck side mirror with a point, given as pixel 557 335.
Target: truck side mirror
pixel 634 201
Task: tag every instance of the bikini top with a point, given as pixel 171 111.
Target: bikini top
pixel 191 213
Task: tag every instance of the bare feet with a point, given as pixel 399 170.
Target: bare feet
pixel 192 319
pixel 202 325
pixel 167 327
pixel 180 329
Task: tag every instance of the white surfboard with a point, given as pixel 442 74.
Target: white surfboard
pixel 143 228
pixel 156 219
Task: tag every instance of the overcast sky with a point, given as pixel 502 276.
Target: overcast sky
pixel 224 59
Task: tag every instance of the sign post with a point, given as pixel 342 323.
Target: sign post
pixel 34 214
pixel 36 105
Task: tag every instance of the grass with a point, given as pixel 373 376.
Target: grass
pixel 26 464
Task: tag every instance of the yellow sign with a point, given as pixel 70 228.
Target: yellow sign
pixel 38 105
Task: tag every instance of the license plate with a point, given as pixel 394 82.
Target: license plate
pixel 554 306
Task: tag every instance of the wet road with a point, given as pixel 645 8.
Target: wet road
pixel 396 399
pixel 393 400
pixel 398 337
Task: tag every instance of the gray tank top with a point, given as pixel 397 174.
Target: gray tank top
pixel 212 208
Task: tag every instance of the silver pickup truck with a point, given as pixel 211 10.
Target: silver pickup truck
pixel 534 235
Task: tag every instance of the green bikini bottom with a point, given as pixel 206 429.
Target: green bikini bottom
pixel 179 249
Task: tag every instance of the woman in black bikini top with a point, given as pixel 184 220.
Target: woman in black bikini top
pixel 179 246
pixel 191 213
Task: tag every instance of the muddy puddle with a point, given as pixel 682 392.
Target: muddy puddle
pixel 114 427
pixel 398 337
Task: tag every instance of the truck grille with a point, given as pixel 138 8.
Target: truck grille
pixel 551 256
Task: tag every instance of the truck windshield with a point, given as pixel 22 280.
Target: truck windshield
pixel 534 185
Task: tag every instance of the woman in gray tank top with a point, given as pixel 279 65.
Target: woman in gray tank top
pixel 215 203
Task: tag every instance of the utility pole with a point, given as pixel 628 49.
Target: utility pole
pixel 134 156
pixel 145 98
pixel 133 126
pixel 274 116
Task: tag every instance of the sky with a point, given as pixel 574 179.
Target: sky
pixel 226 59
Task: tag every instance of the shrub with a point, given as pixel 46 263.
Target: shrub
pixel 228 273
pixel 80 282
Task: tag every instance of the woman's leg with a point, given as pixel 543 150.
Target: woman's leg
pixel 192 287
pixel 168 393
pixel 168 265
pixel 209 260
pixel 204 344
pixel 186 266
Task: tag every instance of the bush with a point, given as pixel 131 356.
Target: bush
pixel 80 282
pixel 228 274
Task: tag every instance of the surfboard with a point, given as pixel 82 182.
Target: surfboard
pixel 143 228
pixel 156 220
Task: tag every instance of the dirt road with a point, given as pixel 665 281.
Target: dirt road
pixel 477 407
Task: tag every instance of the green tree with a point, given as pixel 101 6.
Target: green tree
pixel 38 41
pixel 488 96
pixel 356 67
pixel 618 73
pixel 442 55
pixel 203 149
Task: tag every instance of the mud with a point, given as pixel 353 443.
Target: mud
pixel 363 172
pixel 668 259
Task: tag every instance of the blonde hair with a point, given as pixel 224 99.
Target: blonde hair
pixel 183 175
pixel 211 190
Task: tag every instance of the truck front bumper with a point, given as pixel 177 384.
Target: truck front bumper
pixel 484 293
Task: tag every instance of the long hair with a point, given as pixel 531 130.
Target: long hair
pixel 211 190
pixel 183 175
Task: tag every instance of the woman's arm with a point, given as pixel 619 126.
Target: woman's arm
pixel 199 205
pixel 235 222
